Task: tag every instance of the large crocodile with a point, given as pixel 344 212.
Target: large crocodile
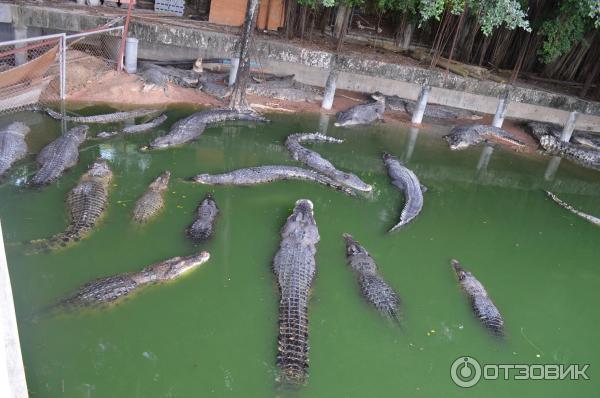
pixel 284 89
pixel 60 155
pixel 585 216
pixel 266 174
pixel 203 226
pixel 579 154
pixel 395 103
pixel 363 113
pixel 294 266
pixel 107 118
pixel 136 128
pixel 461 137
pixel 372 286
pixel 407 182
pixel 317 162
pixel 152 201
pixel 193 126
pixel 482 305
pixel 540 129
pixel 86 204
pixel 158 75
pixel 111 289
pixel 12 145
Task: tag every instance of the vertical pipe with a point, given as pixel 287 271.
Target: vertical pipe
pixel 329 93
pixel 62 47
pixel 233 70
pixel 567 131
pixel 417 117
pixel 501 111
pixel 323 123
pixel 412 142
pixel 552 168
pixel 131 54
pixel 124 37
pixel 20 33
pixel 484 159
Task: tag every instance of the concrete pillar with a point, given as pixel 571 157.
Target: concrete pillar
pixel 20 33
pixel 131 55
pixel 323 123
pixel 329 93
pixel 412 142
pixel 552 168
pixel 484 159
pixel 567 131
pixel 235 63
pixel 417 117
pixel 501 111
pixel 12 372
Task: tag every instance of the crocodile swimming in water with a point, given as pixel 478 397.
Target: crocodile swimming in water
pixel 107 118
pixel 203 226
pixel 372 286
pixel 294 267
pixel 111 289
pixel 407 182
pixel 266 174
pixel 12 145
pixel 135 129
pixel 579 154
pixel 152 201
pixel 315 161
pixel 86 204
pixel 363 113
pixel 461 137
pixel 193 126
pixel 481 304
pixel 60 155
pixel 585 216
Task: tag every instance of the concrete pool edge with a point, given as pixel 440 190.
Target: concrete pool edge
pixel 12 371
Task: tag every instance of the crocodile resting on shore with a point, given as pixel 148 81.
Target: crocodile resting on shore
pixel 111 289
pixel 462 137
pixel 395 103
pixel 315 161
pixel 137 128
pixel 407 182
pixel 363 113
pixel 152 201
pixel 12 145
pixel 107 118
pixel 540 129
pixel 86 204
pixel 60 155
pixel 266 174
pixel 585 216
pixel 294 267
pixel 190 128
pixel 203 226
pixel 579 154
pixel 481 304
pixel 372 286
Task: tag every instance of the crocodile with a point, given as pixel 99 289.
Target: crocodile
pixel 294 267
pixel 579 154
pixel 395 103
pixel 266 174
pixel 106 118
pixel 86 204
pixel 60 155
pixel 540 129
pixel 12 145
pixel 461 137
pixel 190 128
pixel 318 163
pixel 213 84
pixel 135 129
pixel 158 75
pixel 203 226
pixel 407 182
pixel 589 217
pixel 373 287
pixel 112 289
pixel 286 90
pixel 362 113
pixel 481 304
pixel 152 201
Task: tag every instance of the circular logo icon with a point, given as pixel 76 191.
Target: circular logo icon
pixel 465 372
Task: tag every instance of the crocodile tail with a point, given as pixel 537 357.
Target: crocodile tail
pixel 55 242
pixel 292 343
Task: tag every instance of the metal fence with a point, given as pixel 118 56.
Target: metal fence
pixel 46 69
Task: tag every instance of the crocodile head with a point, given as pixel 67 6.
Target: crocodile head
pixel 79 132
pixel 18 128
pixel 175 267
pixel 379 97
pixel 162 182
pixel 456 139
pixel 100 169
pixel 352 246
pixel 460 272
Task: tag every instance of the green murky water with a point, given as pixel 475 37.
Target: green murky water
pixel 213 332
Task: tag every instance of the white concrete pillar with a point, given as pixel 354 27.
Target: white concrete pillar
pixel 329 93
pixel 412 142
pixel 500 111
pixel 552 168
pixel 235 64
pixel 567 131
pixel 131 55
pixel 20 33
pixel 323 123
pixel 417 117
pixel 484 159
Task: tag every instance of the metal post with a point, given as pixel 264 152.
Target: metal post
pixel 501 111
pixel 233 70
pixel 124 37
pixel 417 117
pixel 567 131
pixel 329 93
pixel 62 49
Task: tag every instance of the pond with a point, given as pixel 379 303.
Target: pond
pixel 213 332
